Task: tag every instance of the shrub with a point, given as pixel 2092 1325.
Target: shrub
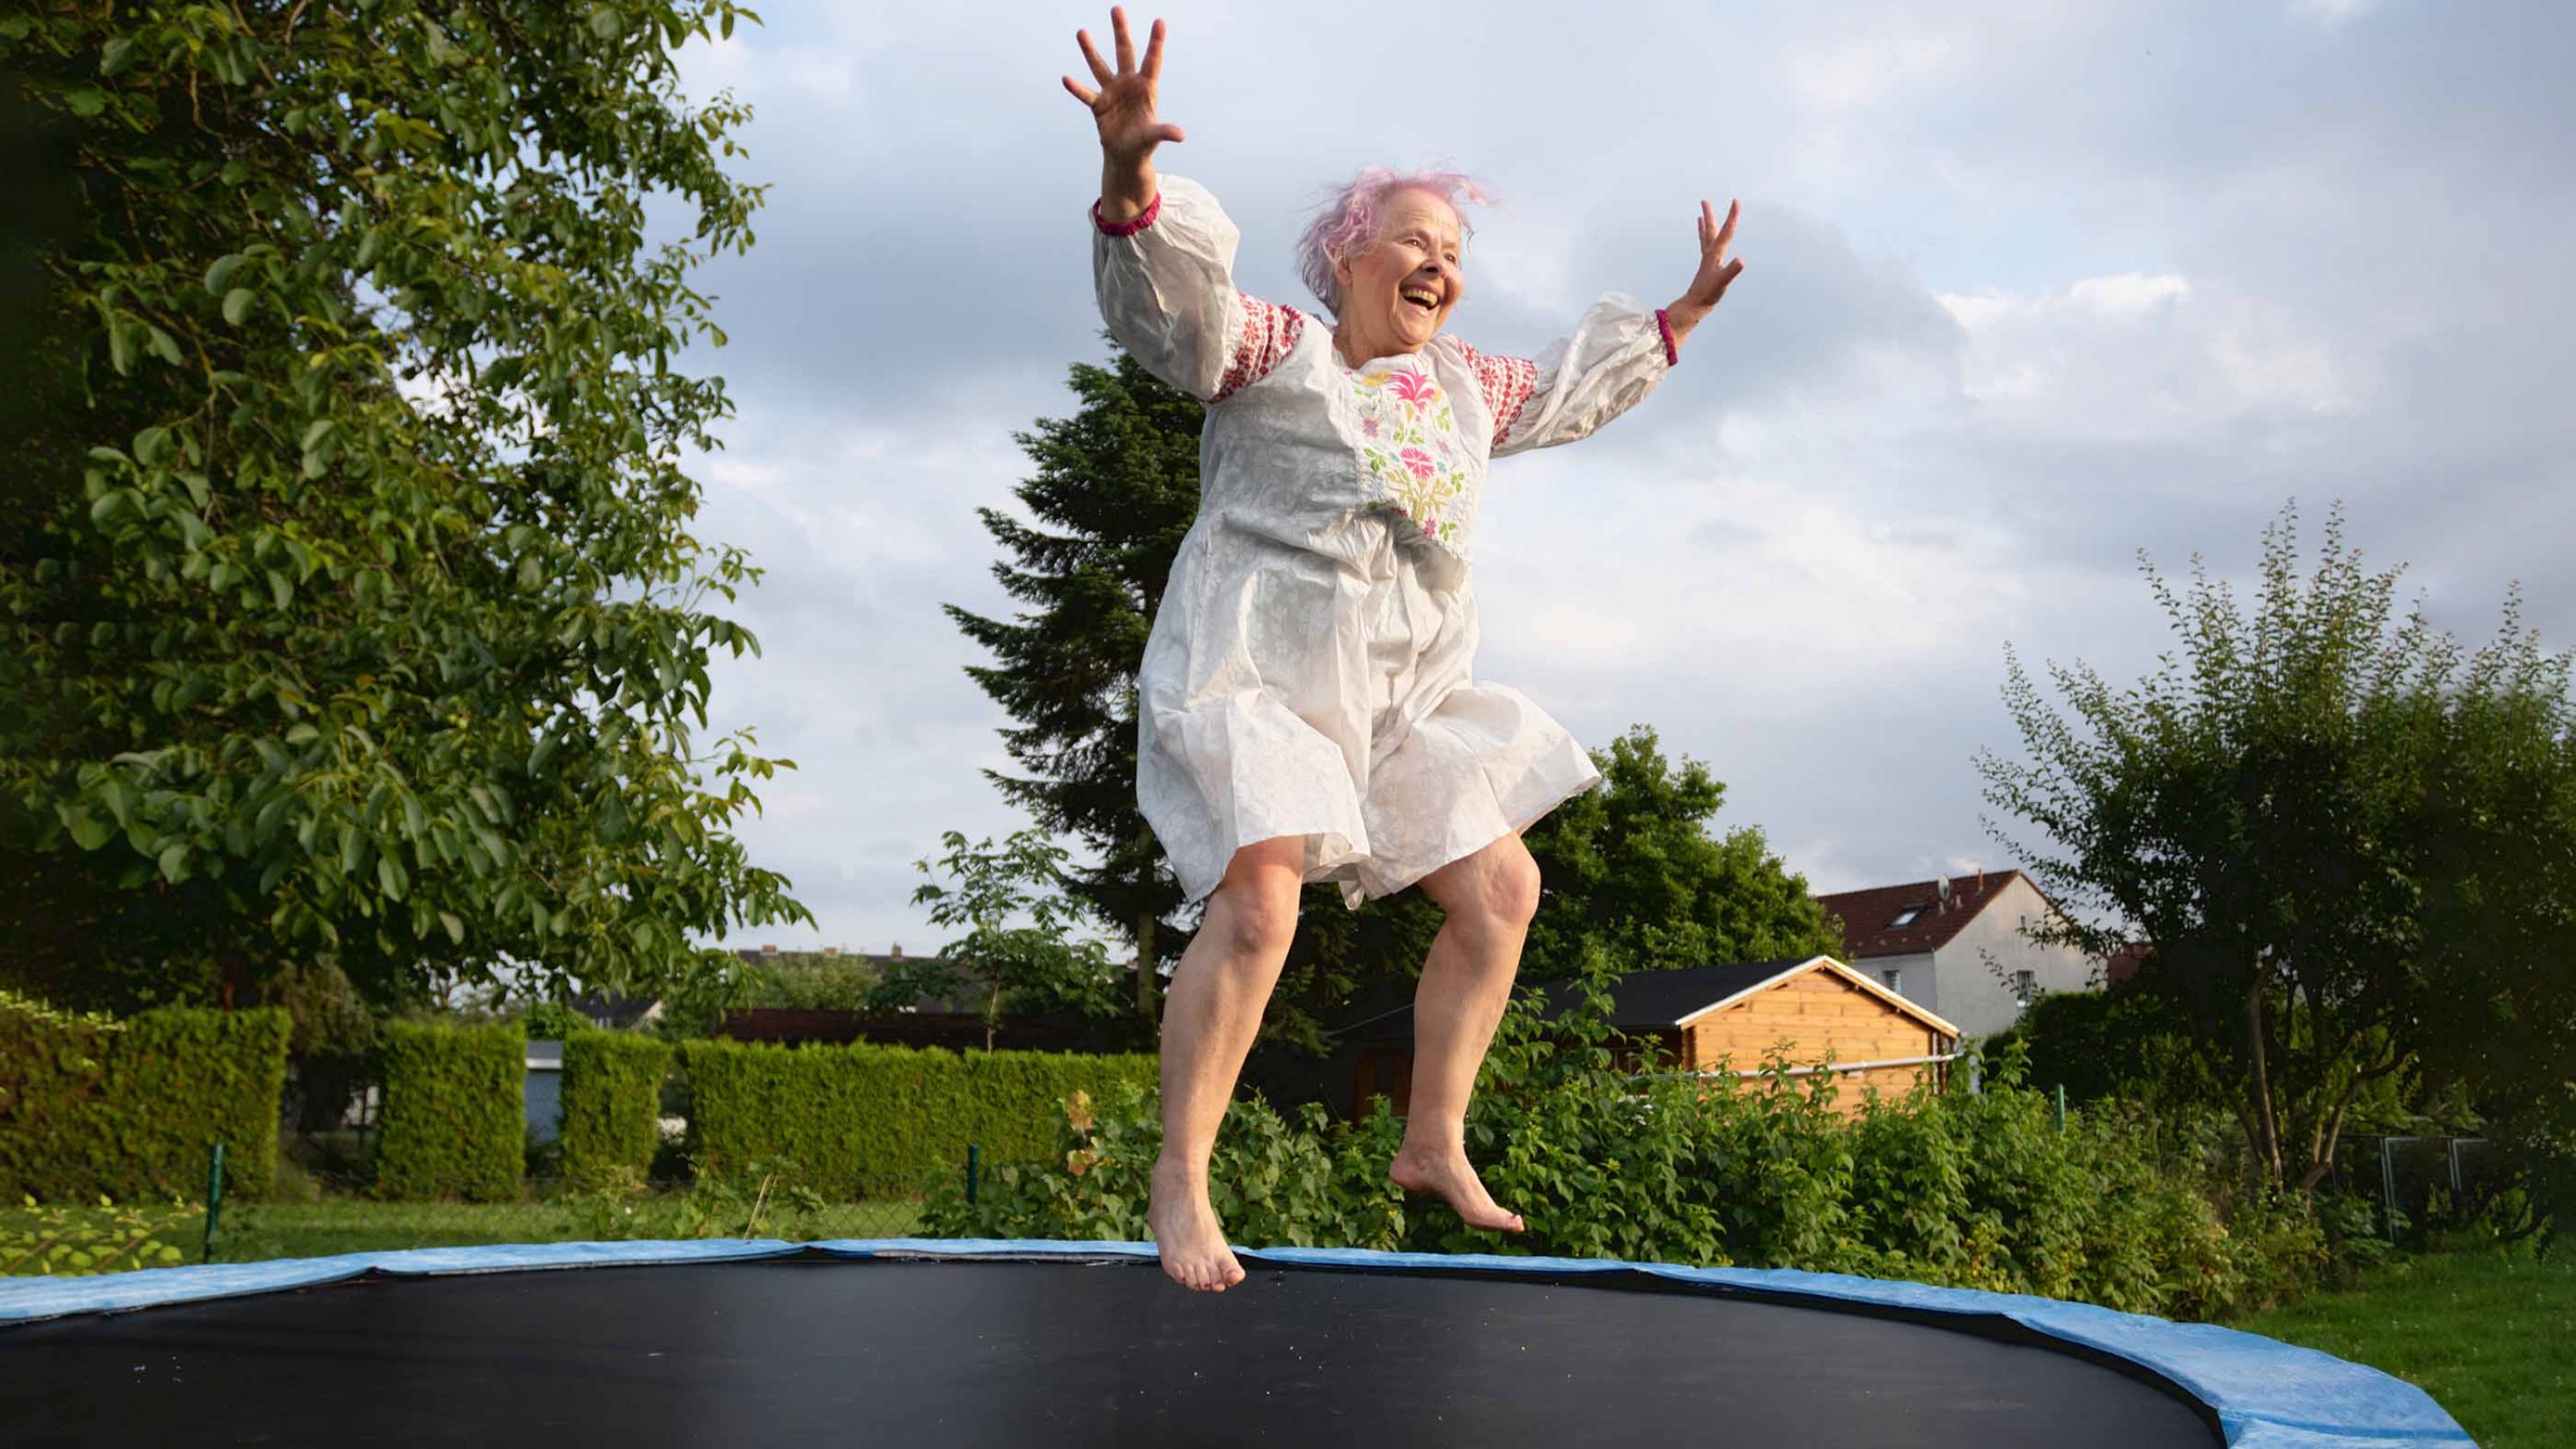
pixel 612 1102
pixel 91 1106
pixel 76 1242
pixel 1983 1191
pixel 870 1120
pixel 455 1120
pixel 555 1021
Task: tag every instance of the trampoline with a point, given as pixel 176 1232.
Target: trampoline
pixel 1037 1343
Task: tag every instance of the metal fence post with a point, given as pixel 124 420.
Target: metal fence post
pixel 2388 1187
pixel 974 1164
pixel 2061 1106
pixel 214 1200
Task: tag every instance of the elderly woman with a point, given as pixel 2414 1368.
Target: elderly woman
pixel 1307 710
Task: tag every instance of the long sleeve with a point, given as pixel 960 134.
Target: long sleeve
pixel 1615 356
pixel 1166 288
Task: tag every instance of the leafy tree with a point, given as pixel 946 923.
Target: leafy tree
pixel 1118 482
pixel 811 981
pixel 348 597
pixel 554 1021
pixel 1630 867
pixel 1036 967
pixel 2314 816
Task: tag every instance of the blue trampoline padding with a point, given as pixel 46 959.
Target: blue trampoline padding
pixel 2267 1394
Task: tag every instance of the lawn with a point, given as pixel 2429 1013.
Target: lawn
pixel 2489 1332
pixel 249 1231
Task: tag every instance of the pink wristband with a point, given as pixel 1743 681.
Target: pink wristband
pixel 1663 324
pixel 1143 219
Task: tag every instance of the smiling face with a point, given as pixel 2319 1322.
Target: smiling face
pixel 1396 294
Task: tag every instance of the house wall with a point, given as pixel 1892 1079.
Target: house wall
pixel 1920 982
pixel 1815 1018
pixel 1971 996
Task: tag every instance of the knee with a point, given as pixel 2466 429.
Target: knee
pixel 1254 915
pixel 1515 896
pixel 1506 894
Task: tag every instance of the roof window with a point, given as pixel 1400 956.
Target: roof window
pixel 1905 917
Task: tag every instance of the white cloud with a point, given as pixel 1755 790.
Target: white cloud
pixel 2130 352
pixel 2029 287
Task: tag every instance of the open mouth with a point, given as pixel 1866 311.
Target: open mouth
pixel 1421 299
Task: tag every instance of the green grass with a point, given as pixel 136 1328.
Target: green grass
pixel 251 1231
pixel 306 1230
pixel 2489 1332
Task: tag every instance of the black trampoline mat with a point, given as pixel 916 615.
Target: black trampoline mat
pixel 818 1351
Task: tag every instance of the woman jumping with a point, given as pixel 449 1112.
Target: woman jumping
pixel 1306 707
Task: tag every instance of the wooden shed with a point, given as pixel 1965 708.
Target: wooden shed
pixel 1821 1014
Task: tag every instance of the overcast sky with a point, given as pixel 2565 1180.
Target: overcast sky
pixel 2028 287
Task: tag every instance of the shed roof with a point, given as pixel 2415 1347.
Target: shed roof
pixel 1664 1000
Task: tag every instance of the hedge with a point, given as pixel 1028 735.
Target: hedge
pixel 90 1105
pixel 455 1123
pixel 612 1103
pixel 869 1120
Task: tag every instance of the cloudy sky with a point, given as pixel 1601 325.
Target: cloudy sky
pixel 2029 286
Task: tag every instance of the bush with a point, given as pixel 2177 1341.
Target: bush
pixel 455 1118
pixel 555 1021
pixel 92 1107
pixel 872 1120
pixel 612 1104
pixel 1981 1191
pixel 76 1242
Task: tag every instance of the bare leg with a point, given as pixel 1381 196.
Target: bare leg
pixel 1209 1020
pixel 1489 898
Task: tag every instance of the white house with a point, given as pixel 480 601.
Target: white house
pixel 1957 948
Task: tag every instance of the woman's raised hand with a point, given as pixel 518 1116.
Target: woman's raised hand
pixel 1124 105
pixel 1715 274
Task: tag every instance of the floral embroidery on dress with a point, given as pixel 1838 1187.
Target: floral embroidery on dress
pixel 1409 433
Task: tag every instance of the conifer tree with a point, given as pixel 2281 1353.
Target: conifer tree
pixel 1116 486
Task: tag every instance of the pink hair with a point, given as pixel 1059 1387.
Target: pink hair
pixel 1347 222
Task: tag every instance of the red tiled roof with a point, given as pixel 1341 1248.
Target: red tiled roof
pixel 2126 962
pixel 1868 914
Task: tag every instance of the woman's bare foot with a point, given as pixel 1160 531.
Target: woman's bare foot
pixel 1446 1175
pixel 1187 1234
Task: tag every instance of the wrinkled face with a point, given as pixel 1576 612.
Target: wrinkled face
pixel 1401 289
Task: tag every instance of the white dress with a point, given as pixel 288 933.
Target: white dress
pixel 1310 669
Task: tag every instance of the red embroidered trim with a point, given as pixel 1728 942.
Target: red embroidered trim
pixel 1507 383
pixel 1269 330
pixel 1143 219
pixel 1664 324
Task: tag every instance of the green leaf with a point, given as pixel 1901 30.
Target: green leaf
pixel 237 304
pixel 174 862
pixel 112 56
pixel 89 832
